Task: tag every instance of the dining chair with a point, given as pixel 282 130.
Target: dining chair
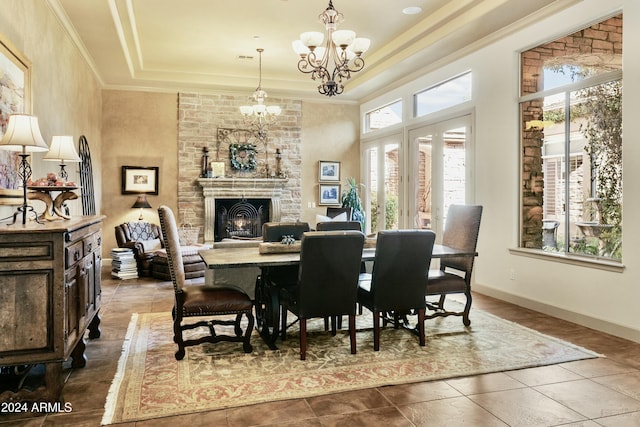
pixel 338 225
pixel 273 278
pixel 327 281
pixel 462 227
pixel 197 300
pixel 396 285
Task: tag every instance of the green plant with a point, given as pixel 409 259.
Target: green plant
pixel 390 211
pixel 351 199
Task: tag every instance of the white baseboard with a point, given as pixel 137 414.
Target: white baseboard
pixel 580 319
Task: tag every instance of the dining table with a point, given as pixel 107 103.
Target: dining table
pixel 265 256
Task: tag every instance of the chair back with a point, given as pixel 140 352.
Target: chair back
pixel 172 246
pixel 400 269
pixel 328 272
pixel 333 212
pixel 461 232
pixel 273 231
pixel 136 231
pixel 338 225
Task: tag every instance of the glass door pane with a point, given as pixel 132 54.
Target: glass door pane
pixel 382 201
pixel 438 172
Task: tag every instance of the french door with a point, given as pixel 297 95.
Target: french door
pixel 382 179
pixel 412 177
pixel 439 171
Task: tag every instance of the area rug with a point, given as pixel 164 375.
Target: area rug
pixel 150 383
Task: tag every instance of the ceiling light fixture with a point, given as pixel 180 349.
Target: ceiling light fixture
pixel 342 50
pixel 259 116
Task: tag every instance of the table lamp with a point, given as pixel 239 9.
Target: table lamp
pixel 23 135
pixel 62 150
pixel 141 203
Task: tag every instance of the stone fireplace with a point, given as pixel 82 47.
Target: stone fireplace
pixel 236 207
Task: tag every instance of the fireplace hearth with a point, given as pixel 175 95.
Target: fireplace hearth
pixel 223 220
pixel 240 218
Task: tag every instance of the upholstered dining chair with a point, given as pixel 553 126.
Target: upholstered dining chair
pixel 327 281
pixel 396 285
pixel 273 278
pixel 338 225
pixel 197 300
pixel 461 231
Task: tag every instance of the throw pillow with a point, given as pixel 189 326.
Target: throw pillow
pixel 322 218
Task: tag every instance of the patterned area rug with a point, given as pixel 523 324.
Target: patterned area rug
pixel 150 383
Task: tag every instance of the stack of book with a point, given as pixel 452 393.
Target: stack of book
pixel 123 264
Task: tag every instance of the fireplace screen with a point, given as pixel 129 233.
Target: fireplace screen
pixel 240 218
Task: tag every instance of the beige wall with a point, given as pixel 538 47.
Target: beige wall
pixel 329 132
pixel 65 94
pixel 140 129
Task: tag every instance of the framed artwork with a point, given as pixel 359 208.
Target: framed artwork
pixel 15 97
pixel 329 194
pixel 140 180
pixel 329 171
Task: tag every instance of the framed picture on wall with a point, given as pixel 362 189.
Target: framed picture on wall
pixel 329 194
pixel 15 97
pixel 140 180
pixel 329 171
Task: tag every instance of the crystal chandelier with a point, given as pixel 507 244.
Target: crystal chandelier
pixel 342 51
pixel 259 116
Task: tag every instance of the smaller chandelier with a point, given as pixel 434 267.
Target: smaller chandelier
pixel 342 51
pixel 259 115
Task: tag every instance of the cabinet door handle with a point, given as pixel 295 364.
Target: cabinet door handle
pixel 99 241
pixel 89 247
pixel 76 256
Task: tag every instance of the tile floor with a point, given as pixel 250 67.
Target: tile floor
pixel 597 392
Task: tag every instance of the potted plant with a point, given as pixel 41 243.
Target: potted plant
pixel 351 199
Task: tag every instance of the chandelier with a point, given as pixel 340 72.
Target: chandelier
pixel 342 50
pixel 260 116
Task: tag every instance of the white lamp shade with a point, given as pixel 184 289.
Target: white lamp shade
pixel 360 45
pixel 343 37
pixel 299 47
pixel 312 38
pixel 274 109
pixel 259 109
pixel 246 110
pixel 23 134
pixel 62 149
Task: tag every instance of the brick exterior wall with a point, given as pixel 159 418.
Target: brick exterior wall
pixel 604 38
pixel 200 116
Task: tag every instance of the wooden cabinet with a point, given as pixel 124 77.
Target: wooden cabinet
pixel 49 295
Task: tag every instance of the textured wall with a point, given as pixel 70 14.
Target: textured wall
pixel 140 129
pixel 200 116
pixel 65 95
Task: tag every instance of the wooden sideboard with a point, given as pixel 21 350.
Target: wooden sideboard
pixel 49 296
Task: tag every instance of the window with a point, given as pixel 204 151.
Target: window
pixel 571 143
pixel 383 117
pixel 444 95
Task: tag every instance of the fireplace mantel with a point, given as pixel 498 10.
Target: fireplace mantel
pixel 237 188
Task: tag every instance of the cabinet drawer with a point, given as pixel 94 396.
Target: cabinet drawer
pixel 73 253
pixel 92 242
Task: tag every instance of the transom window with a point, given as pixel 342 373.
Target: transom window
pixel 384 116
pixel 444 95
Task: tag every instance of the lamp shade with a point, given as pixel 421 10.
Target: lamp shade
pixel 141 203
pixel 23 134
pixel 62 150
